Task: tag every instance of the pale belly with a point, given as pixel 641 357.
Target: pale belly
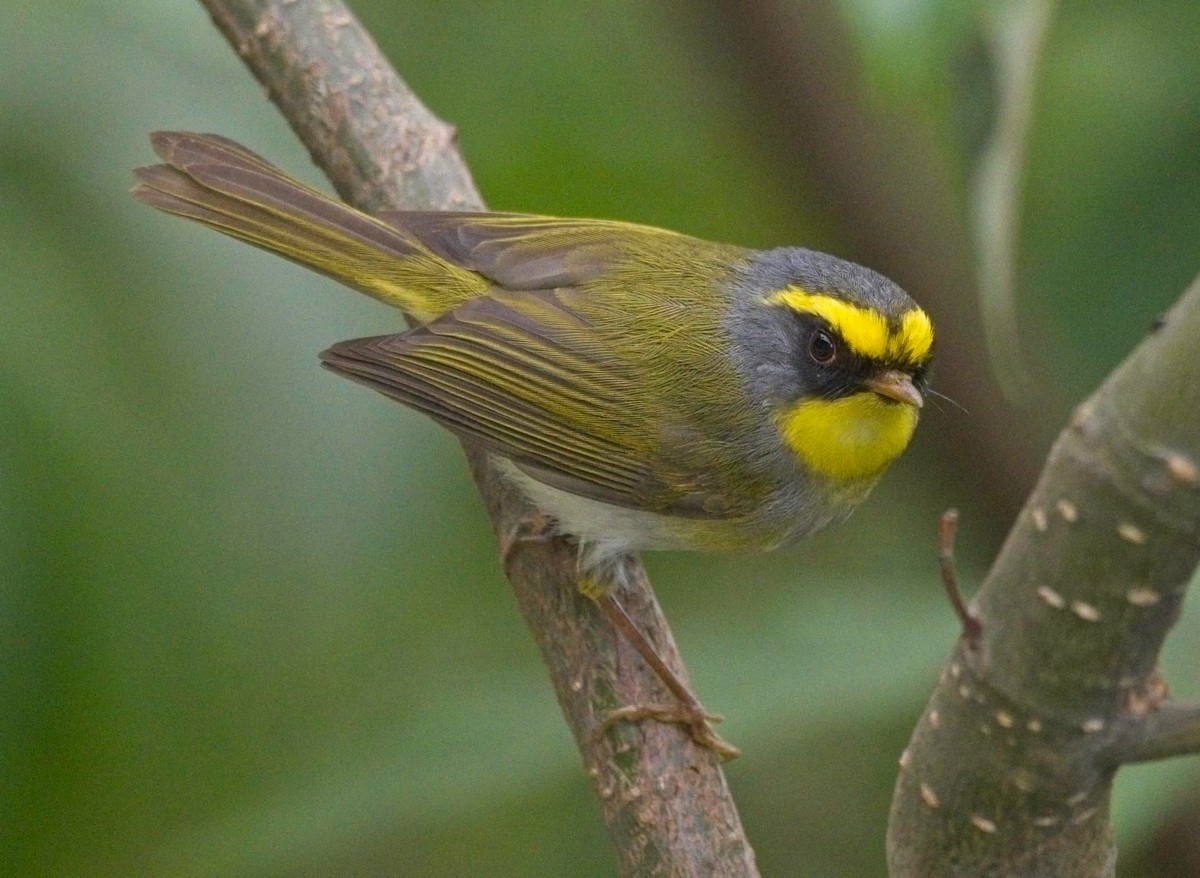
pixel 606 531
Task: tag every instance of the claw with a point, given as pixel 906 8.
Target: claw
pixel 698 723
pixel 688 712
pixel 537 527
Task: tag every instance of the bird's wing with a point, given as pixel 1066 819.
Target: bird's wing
pixel 518 251
pixel 527 377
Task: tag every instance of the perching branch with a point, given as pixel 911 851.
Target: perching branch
pixel 1010 769
pixel 665 801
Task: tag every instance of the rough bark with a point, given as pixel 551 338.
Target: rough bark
pixel 665 801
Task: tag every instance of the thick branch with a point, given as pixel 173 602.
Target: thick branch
pixel 1010 770
pixel 665 802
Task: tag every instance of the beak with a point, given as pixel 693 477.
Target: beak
pixel 896 385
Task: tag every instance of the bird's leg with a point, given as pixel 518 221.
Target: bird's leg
pixel 688 711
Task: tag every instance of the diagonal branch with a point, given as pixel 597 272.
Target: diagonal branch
pixel 1010 769
pixel 665 802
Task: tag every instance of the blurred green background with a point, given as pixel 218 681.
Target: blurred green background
pixel 251 621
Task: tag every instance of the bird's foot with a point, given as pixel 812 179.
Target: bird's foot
pixel 537 527
pixel 692 716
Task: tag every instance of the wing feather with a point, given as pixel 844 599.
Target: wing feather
pixel 507 371
pixel 519 251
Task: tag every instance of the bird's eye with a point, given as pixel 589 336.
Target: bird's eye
pixel 822 348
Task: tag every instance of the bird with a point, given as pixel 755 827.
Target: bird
pixel 644 389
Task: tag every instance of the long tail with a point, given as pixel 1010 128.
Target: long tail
pixel 225 186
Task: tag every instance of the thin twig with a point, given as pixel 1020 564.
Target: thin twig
pixel 947 530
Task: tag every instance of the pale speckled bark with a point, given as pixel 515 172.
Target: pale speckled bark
pixel 1010 770
pixel 665 802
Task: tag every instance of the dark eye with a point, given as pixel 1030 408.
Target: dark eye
pixel 822 348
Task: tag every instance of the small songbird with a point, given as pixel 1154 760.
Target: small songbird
pixel 643 388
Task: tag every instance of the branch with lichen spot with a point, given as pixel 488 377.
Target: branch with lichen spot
pixel 1010 769
pixel 664 801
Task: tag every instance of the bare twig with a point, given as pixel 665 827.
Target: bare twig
pixel 947 530
pixel 664 800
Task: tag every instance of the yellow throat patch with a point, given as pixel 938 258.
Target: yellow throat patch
pixel 848 439
pixel 864 330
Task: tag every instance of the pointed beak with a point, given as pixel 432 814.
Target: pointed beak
pixel 896 385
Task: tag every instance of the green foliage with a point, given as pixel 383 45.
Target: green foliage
pixel 251 619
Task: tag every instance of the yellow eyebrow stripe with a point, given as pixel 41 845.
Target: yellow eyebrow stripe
pixel 864 330
pixel 914 342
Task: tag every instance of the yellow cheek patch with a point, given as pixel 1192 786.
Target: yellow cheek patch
pixel 864 330
pixel 848 439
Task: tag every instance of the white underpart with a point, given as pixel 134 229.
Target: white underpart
pixel 605 532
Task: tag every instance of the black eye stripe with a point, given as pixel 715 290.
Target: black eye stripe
pixel 847 371
pixel 846 359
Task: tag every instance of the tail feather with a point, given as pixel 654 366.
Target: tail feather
pixel 178 147
pixel 225 186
